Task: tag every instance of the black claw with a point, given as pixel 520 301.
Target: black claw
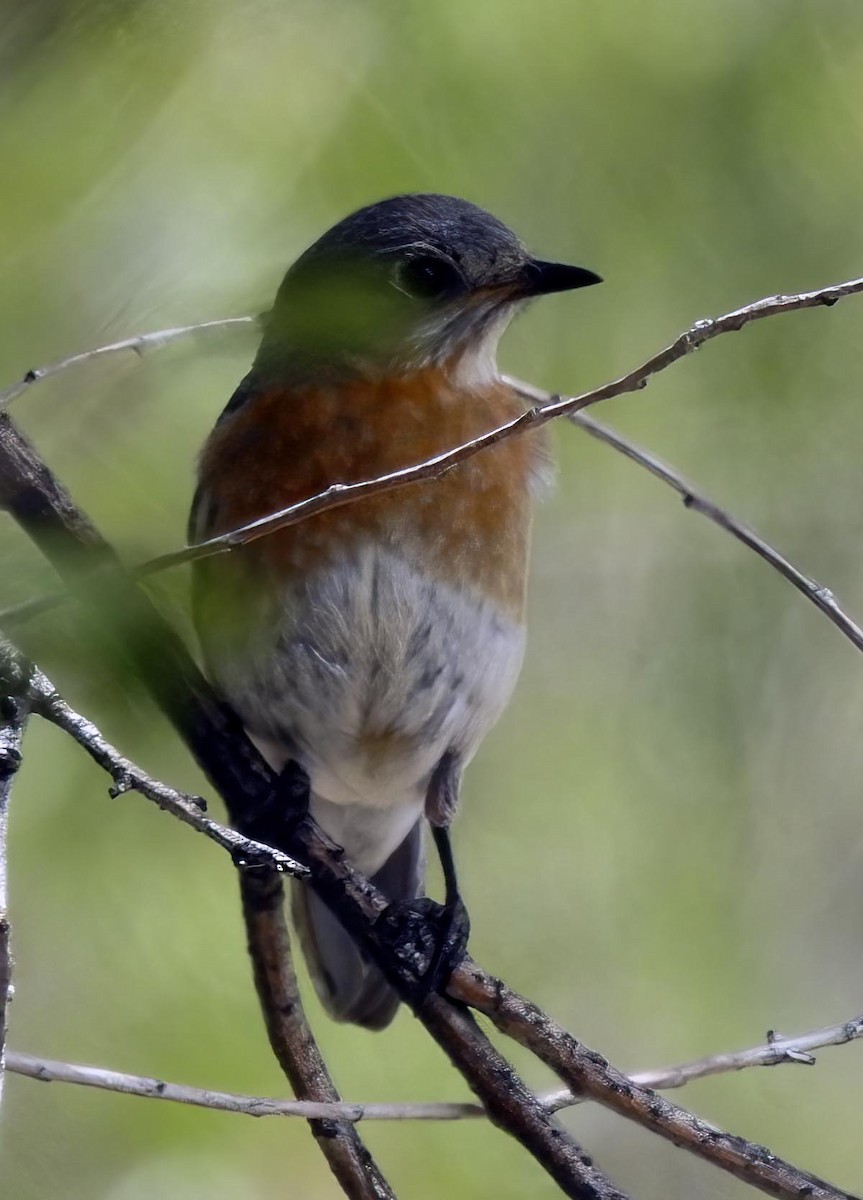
pixel 428 938
pixel 453 945
pixel 432 938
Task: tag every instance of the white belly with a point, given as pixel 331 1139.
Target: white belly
pixel 371 676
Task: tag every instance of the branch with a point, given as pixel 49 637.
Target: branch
pixel 505 1098
pixel 294 1045
pixel 228 757
pixel 139 345
pixel 13 717
pixel 508 1102
pixel 217 740
pixel 691 339
pixel 299 1054
pixel 549 408
pixel 694 499
pixel 51 1071
pixel 287 1000
pixel 293 1042
pixel 359 904
pixel 589 1074
pixel 775 1051
pixel 48 703
pixel 45 700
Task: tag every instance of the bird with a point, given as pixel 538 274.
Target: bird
pixel 377 643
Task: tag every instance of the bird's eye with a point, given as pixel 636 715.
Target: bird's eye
pixel 429 278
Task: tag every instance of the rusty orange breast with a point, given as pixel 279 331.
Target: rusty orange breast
pixel 469 527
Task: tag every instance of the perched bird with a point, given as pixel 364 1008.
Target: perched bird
pixel 376 644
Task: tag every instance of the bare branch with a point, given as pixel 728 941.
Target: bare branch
pixel 775 1051
pixel 691 339
pixel 292 1041
pixel 590 1075
pixel 779 1049
pixel 139 345
pixel 694 499
pixel 13 717
pixel 48 514
pixel 17 614
pixel 51 1071
pixel 505 1098
pixel 508 1102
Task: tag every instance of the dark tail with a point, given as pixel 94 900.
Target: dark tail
pixel 350 987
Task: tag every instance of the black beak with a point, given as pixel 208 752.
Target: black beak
pixel 542 278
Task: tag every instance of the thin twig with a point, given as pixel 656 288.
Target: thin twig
pixel 13 718
pixel 16 614
pixel 777 1050
pixel 48 703
pixel 139 345
pixel 691 339
pixel 51 1071
pixel 694 499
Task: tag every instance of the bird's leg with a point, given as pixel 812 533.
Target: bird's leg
pixel 431 936
pixel 455 922
pixel 441 806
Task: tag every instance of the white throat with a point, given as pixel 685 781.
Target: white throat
pixel 475 364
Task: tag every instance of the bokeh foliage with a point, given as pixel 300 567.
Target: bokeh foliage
pixel 662 841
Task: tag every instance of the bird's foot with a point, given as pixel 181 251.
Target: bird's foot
pixel 428 938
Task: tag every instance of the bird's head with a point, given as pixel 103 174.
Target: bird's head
pixel 409 282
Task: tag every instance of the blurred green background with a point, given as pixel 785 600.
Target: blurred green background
pixel 661 843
